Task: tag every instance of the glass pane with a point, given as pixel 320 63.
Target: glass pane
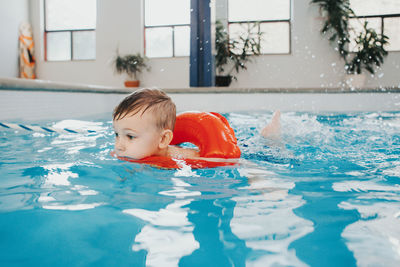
pixel 162 12
pixel 182 41
pixel 58 46
pixel 159 42
pixel 375 7
pixel 252 10
pixel 275 38
pixel 392 30
pixel 357 26
pixel 241 30
pixel 84 44
pixel 70 15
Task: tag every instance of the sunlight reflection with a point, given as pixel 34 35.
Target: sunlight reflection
pixel 265 221
pixel 375 239
pixel 58 178
pixel 166 226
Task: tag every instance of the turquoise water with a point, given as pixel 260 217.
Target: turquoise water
pixel 328 194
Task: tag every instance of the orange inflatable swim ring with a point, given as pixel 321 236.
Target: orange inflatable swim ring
pixel 210 132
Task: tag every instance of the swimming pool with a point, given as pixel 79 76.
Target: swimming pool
pixel 327 195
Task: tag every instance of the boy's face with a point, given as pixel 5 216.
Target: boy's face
pixel 137 136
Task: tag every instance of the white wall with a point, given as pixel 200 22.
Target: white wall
pixel 313 63
pixel 12 13
pixel 119 24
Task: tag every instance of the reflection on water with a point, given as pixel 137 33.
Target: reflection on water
pixel 266 222
pixel 375 239
pixel 168 234
pixel 59 192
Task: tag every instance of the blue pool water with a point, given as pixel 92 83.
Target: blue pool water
pixel 327 195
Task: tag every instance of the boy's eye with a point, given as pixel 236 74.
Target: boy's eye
pixel 116 134
pixel 130 136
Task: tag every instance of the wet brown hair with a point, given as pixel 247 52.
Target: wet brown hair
pixel 152 100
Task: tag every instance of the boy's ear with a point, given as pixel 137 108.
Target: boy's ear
pixel 166 138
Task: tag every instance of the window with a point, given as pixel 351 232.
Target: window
pixel 70 30
pixel 383 16
pixel 167 28
pixel 273 17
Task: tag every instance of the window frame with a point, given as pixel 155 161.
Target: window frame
pixel 173 37
pixel 71 32
pixel 161 26
pixel 382 19
pixel 289 21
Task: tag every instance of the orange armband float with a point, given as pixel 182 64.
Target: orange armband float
pixel 209 131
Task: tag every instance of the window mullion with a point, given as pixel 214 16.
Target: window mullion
pixel 173 41
pixel 72 45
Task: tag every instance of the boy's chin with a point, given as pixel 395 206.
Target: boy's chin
pixel 128 157
pixel 114 153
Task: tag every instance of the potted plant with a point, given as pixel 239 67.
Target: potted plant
pixel 131 64
pixel 369 50
pixel 234 53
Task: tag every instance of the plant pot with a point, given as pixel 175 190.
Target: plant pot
pixel 355 81
pixel 132 83
pixel 223 80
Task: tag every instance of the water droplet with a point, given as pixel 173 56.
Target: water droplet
pixel 381 75
pixel 333 64
pixel 161 70
pixel 322 75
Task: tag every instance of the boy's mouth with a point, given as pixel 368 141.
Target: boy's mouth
pixel 116 154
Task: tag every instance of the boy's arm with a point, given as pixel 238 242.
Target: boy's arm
pixel 181 152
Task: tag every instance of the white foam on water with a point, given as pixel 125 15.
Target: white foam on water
pixel 80 125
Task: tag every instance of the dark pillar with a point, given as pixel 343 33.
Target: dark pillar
pixel 201 60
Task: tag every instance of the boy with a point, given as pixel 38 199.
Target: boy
pixel 144 123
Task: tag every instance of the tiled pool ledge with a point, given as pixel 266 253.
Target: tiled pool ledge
pixel 44 85
pixel 22 100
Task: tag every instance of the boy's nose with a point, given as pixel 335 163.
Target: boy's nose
pixel 119 146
